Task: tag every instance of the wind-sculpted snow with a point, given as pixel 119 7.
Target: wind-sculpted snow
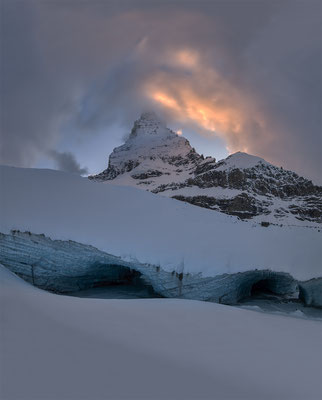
pixel 140 227
pixel 154 158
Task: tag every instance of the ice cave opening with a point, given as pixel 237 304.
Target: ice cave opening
pixel 121 283
pixel 276 294
pixel 262 287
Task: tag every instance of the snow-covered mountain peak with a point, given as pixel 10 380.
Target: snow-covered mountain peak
pixel 156 159
pixel 240 160
pixel 149 124
pixel 151 151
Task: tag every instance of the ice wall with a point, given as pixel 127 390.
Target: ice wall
pixel 65 266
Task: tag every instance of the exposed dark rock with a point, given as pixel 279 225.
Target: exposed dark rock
pixel 209 179
pixel 148 174
pixel 205 167
pixel 310 209
pixel 242 205
pixel 265 224
pixel 258 180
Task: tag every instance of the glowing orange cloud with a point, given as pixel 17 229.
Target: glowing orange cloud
pixel 187 58
pixel 165 100
pixel 203 97
pixel 214 118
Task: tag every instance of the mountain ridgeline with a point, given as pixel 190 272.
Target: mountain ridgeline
pixel 156 159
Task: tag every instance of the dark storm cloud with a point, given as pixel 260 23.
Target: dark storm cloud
pixel 252 68
pixel 66 161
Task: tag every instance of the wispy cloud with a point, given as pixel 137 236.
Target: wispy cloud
pixel 248 73
pixel 66 161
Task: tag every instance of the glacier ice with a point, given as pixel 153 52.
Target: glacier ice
pixel 67 266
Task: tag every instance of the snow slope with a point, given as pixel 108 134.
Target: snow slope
pixel 57 347
pixel 240 160
pixel 141 226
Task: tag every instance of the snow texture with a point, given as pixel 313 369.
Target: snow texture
pixel 240 160
pixel 58 347
pixel 138 226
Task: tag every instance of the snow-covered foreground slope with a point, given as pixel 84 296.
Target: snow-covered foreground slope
pixel 57 347
pixel 144 227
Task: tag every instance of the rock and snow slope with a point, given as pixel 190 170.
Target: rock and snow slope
pixel 156 159
pixel 151 156
pixel 57 347
pixel 139 226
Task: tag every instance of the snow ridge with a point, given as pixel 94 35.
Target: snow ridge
pixel 240 160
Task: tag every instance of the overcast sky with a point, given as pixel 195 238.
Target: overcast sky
pixel 232 75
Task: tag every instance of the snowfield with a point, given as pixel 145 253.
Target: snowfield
pixel 58 347
pixel 144 227
pixel 65 348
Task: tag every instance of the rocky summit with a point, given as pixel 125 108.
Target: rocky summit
pixel 156 159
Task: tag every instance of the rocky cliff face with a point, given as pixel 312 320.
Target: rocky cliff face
pixel 157 159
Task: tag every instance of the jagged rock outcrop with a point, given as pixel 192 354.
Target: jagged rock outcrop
pixel 67 266
pixel 157 159
pixel 242 205
pixel 151 151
